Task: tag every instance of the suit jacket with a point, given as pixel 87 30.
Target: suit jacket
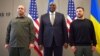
pixel 57 31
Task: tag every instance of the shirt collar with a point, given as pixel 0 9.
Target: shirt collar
pixel 20 16
pixel 51 13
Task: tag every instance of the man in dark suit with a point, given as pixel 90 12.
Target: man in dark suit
pixel 53 32
pixel 20 34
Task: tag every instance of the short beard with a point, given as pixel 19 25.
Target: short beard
pixel 81 16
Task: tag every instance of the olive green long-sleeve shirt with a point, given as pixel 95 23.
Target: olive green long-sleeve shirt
pixel 20 32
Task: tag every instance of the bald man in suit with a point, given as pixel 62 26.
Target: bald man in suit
pixel 53 33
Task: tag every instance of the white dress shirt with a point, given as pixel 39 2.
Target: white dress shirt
pixel 52 17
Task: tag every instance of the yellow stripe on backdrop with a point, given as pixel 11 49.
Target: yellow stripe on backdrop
pixel 97 31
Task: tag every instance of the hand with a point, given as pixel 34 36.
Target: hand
pixel 31 45
pixel 65 45
pixel 73 48
pixel 93 48
pixel 41 47
pixel 6 46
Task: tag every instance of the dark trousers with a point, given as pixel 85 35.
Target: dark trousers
pixel 19 51
pixel 83 51
pixel 56 50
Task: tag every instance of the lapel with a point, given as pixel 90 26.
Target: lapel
pixel 48 19
pixel 55 18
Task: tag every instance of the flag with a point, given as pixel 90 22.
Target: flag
pixel 49 2
pixel 95 17
pixel 71 14
pixel 33 14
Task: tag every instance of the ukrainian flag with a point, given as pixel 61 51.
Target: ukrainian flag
pixel 95 17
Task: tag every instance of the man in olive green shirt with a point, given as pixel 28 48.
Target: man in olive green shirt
pixel 20 34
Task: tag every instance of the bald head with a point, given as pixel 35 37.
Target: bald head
pixel 21 10
pixel 52 7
